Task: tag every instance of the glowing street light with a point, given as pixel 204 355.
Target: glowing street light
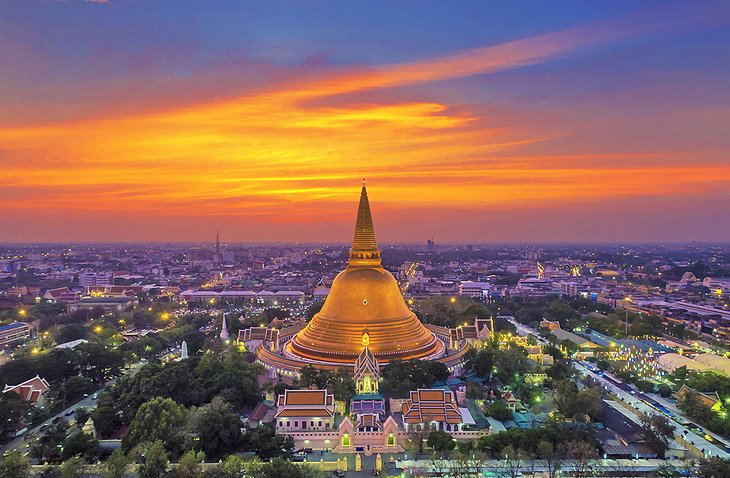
pixel 98 329
pixel 22 312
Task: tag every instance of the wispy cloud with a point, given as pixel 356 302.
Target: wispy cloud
pixel 281 155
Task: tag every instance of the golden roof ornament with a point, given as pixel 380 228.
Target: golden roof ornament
pixel 364 250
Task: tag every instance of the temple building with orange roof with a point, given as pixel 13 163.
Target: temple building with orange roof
pixel 432 408
pixel 298 410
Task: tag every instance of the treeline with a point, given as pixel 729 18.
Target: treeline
pixel 192 382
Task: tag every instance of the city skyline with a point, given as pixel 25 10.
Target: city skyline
pixel 484 124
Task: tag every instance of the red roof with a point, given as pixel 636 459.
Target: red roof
pixel 30 390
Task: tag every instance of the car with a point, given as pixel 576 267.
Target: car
pixel 95 396
pixel 299 457
pixel 69 413
pixel 338 473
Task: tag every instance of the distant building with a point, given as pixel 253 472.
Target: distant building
pixel 549 325
pixel 710 400
pixel 61 294
pixel 475 290
pixel 108 304
pixel 253 336
pixel 14 333
pixel 93 279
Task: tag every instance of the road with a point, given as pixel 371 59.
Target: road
pixel 21 443
pixel 637 402
pixel 649 403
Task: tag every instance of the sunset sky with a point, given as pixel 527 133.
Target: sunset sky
pixel 472 122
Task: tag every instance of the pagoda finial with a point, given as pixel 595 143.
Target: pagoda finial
pixel 364 250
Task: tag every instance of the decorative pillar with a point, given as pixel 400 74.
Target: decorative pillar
pixel 378 462
pixel 358 462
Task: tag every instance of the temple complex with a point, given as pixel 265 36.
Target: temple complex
pixel 364 313
pixel 365 324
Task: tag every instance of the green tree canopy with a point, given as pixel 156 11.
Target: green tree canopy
pixel 157 419
pixel 154 459
pixel 218 429
pixel 14 465
pixel 440 441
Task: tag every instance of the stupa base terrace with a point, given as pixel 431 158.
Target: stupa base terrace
pixel 279 361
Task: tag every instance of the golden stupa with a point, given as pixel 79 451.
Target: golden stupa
pixel 364 308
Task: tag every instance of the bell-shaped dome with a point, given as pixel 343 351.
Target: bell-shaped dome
pixel 364 299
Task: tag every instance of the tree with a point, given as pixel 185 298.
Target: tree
pixel 499 411
pixel 219 429
pixel 157 419
pixel 116 465
pixel 560 370
pixel 546 451
pixel 14 410
pixel 98 363
pixel 665 390
pixel 480 361
pixel 513 462
pixel 400 377
pixel 571 402
pixel 713 467
pixel 658 431
pixel 190 465
pixel 267 444
pixel 154 460
pixel 69 333
pixel 440 441
pixel 81 415
pixel 14 465
pixel 474 391
pixel 279 467
pixel 579 454
pixel 73 388
pixel 234 467
pixel 417 434
pixel 47 444
pixel 510 364
pixel 106 420
pixel 80 444
pixel 73 467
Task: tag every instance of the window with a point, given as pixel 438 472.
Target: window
pixel 391 439
pixel 346 439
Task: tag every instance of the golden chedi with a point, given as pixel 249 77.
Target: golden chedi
pixel 364 308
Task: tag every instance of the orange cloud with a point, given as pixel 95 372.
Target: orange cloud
pixel 278 156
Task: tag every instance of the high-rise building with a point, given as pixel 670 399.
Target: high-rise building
pixel 430 245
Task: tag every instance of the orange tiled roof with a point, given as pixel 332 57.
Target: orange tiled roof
pixel 425 405
pixel 304 413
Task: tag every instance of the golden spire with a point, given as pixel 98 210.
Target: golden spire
pixel 364 250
